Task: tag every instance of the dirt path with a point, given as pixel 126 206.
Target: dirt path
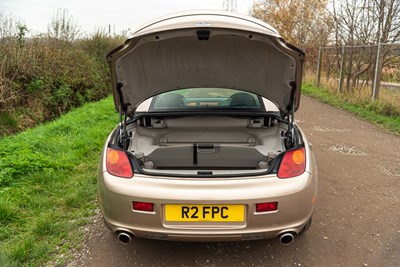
pixel 357 221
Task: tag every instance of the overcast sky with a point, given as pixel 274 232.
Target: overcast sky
pixel 95 14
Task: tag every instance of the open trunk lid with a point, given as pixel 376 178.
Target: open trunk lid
pixel 206 49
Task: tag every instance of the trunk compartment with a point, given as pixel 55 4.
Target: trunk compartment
pixel 206 143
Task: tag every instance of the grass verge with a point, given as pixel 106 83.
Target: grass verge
pixel 379 113
pixel 48 184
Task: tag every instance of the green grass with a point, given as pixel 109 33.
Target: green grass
pixel 382 114
pixel 48 184
pixel 7 119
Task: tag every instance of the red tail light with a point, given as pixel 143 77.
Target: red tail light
pixel 118 164
pixel 143 206
pixel 293 163
pixel 267 206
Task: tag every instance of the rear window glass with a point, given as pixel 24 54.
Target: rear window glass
pixel 205 98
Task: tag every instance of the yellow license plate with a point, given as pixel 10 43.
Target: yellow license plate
pixel 204 213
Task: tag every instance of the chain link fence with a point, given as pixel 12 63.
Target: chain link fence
pixel 363 67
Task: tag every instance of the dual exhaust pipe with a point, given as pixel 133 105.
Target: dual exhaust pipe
pixel 285 238
pixel 124 237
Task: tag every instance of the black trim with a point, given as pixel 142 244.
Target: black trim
pixel 124 106
pixel 114 134
pixel 292 96
pixel 195 155
pixel 301 52
pixel 231 113
pixel 109 55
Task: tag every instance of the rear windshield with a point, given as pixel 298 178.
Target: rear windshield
pixel 204 99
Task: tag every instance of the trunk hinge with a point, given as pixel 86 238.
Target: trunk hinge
pixel 123 108
pixel 290 132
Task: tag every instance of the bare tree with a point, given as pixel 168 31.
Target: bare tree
pixel 63 26
pixel 304 23
pixel 301 22
pixel 387 13
pixel 7 26
pixel 366 22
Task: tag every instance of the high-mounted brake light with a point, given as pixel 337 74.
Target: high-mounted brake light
pixel 118 164
pixel 293 163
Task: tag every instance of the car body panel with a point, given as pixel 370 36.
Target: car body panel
pixel 295 197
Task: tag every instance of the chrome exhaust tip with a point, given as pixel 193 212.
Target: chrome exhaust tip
pixel 286 238
pixel 124 237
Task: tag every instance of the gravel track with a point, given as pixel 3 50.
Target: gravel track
pixel 356 223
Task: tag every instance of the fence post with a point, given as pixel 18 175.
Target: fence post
pixel 376 72
pixel 319 67
pixel 341 71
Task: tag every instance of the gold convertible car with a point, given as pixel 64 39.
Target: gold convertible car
pixel 207 148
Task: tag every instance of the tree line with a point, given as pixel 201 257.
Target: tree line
pixel 311 24
pixel 46 75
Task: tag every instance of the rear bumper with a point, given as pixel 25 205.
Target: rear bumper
pixel 294 197
pixel 205 236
